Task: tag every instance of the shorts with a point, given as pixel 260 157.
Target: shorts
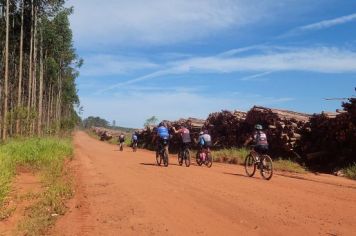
pixel 261 149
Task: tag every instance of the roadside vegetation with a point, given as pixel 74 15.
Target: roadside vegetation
pixel 350 171
pixel 45 157
pixel 230 155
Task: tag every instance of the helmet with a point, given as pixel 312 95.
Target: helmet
pixel 258 127
pixel 206 131
pixel 201 133
pixel 162 124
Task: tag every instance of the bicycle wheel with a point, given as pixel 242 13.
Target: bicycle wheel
pixel 209 160
pixel 158 158
pixel 250 165
pixel 121 147
pixel 187 158
pixel 198 160
pixel 180 158
pixel 165 157
pixel 266 167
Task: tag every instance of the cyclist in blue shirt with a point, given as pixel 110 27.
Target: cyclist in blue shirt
pixel 161 135
pixel 134 138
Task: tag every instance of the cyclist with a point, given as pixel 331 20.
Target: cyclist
pixel 121 140
pixel 134 138
pixel 259 139
pixel 185 136
pixel 161 135
pixel 204 142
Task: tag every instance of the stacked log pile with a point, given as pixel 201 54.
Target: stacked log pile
pixel 283 127
pixel 329 139
pixel 227 128
pixel 106 134
pixel 103 133
pixel 193 124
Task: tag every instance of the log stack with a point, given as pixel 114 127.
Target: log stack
pixel 193 124
pixel 329 138
pixel 283 127
pixel 227 128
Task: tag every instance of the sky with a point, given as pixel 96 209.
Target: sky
pixel 187 58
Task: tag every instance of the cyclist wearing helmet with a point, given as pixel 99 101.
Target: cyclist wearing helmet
pixel 204 139
pixel 260 140
pixel 161 135
pixel 185 135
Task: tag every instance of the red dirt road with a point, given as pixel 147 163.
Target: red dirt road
pixel 125 193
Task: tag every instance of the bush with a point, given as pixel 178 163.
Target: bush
pixel 350 171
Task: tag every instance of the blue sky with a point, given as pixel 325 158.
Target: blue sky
pixel 184 58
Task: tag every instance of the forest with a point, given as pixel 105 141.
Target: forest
pixel 38 66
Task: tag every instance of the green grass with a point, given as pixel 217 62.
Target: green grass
pixel 289 166
pixel 232 155
pixel 46 156
pixel 238 155
pixel 350 172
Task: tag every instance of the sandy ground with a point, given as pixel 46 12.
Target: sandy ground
pixel 125 193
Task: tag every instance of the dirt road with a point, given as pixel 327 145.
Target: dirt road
pixel 125 193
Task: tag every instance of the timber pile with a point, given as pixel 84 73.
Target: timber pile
pixel 103 133
pixel 193 124
pixel 329 138
pixel 283 128
pixel 106 134
pixel 227 128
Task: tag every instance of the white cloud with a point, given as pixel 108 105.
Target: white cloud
pixel 329 23
pixel 105 64
pixel 272 59
pixel 321 25
pixel 161 22
pixel 255 76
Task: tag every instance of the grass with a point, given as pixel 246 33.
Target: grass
pixel 350 172
pixel 289 166
pixel 46 156
pixel 231 155
pixel 238 155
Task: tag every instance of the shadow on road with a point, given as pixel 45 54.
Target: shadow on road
pixel 236 174
pixel 154 164
pixel 149 164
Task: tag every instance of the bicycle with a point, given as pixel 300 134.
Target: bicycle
pixel 208 160
pixel 162 154
pixel 134 146
pixel 263 162
pixel 184 155
pixel 121 145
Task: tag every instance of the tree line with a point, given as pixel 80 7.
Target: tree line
pixel 38 66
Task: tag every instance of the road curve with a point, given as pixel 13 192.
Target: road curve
pixel 125 193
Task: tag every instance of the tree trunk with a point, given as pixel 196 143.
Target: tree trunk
pixel 30 74
pixel 6 77
pixel 40 96
pixel 19 92
pixel 34 76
